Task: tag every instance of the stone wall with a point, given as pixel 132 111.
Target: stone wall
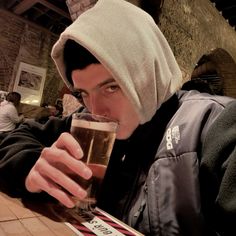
pixel 194 29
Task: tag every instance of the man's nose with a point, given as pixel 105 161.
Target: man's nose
pixel 97 105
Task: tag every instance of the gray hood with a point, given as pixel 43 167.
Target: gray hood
pixel 127 41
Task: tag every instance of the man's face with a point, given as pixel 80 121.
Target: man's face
pixel 102 96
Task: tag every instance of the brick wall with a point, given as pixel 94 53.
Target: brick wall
pixel 21 41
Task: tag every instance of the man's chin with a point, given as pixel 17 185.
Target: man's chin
pixel 122 136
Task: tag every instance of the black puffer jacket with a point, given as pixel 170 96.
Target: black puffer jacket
pixel 153 183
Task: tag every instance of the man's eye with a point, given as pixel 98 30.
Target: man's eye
pixel 112 88
pixel 78 96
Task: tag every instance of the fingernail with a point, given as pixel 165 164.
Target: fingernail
pixel 87 173
pixel 80 153
pixel 82 194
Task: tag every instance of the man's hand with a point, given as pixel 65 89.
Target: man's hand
pixel 51 172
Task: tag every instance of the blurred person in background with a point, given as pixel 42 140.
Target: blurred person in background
pixel 198 84
pixel 9 115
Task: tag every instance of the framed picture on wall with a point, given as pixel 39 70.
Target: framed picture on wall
pixel 29 83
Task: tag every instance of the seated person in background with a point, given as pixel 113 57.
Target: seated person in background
pixel 9 117
pixel 57 111
pixel 198 84
pixel 48 112
pixel 118 63
pixel 43 115
pixel 59 108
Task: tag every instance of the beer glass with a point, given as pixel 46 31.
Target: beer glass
pixel 96 136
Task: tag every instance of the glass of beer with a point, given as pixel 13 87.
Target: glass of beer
pixel 96 135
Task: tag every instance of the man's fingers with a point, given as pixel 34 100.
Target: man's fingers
pixel 55 188
pixel 65 181
pixel 66 140
pixel 63 160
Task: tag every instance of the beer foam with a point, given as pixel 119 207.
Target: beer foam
pixel 102 126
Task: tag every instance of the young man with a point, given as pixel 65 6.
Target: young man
pixel 117 62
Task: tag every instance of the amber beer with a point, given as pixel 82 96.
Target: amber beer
pixel 96 136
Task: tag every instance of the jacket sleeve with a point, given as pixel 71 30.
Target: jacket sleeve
pixel 22 147
pixel 218 173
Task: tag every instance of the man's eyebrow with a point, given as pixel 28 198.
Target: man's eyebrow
pixel 105 82
pixel 110 80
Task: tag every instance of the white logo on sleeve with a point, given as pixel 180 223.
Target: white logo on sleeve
pixel 172 135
